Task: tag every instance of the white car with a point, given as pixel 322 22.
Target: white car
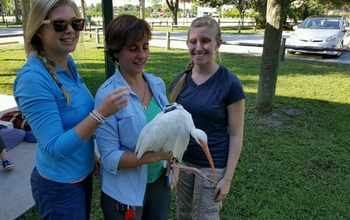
pixel 320 32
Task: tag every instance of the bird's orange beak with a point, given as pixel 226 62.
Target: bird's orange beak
pixel 207 153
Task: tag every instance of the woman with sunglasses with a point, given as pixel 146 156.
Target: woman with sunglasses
pixel 59 108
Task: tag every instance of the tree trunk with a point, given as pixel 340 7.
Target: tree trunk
pixel 18 21
pixel 2 13
pixel 173 7
pixel 142 9
pixel 83 8
pixel 25 5
pixel 276 11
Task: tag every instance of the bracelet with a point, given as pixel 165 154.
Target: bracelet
pixel 97 118
pixel 98 114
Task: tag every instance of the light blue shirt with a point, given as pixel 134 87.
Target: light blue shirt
pixel 118 135
pixel 61 155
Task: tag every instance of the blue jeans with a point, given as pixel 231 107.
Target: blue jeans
pixel 61 201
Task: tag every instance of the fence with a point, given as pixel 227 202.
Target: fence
pixel 187 23
pixel 98 32
pixel 282 52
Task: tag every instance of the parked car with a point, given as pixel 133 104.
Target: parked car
pixel 321 31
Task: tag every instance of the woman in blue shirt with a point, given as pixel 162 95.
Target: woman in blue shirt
pixel 214 96
pixel 126 180
pixel 59 108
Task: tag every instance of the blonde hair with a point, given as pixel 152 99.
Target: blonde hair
pixel 196 23
pixel 39 11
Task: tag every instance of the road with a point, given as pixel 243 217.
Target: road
pixel 230 38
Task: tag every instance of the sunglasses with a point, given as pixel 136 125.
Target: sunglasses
pixel 61 25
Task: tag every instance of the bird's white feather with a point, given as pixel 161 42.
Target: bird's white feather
pixel 168 132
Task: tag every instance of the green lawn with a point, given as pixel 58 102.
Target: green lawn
pixel 295 163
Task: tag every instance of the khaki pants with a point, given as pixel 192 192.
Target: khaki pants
pixel 194 195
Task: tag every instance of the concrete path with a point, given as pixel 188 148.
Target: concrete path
pixel 15 188
pixel 16 196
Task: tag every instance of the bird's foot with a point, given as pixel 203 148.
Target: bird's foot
pixel 188 169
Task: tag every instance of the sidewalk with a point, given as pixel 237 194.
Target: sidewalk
pixel 16 195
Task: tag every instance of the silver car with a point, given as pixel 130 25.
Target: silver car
pixel 320 32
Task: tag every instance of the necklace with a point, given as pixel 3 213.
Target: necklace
pixel 144 95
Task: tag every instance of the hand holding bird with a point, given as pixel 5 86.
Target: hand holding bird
pixel 169 131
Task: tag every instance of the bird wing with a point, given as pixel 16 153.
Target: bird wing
pixel 167 132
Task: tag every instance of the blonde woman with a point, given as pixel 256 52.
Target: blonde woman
pixel 215 98
pixel 59 108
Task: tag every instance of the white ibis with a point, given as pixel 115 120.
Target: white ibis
pixel 170 130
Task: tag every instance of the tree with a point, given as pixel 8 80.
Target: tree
pixel 155 8
pixel 241 5
pixel 3 7
pixel 331 4
pixel 260 7
pixel 83 8
pixel 301 10
pixel 173 6
pixel 142 9
pixel 25 5
pixel 276 13
pixel 184 8
pixel 17 12
pixel 98 7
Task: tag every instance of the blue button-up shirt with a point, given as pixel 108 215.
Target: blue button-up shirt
pixel 118 135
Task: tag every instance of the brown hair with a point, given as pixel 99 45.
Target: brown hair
pixel 196 23
pixel 124 30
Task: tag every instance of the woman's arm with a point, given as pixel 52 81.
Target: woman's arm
pixel 236 123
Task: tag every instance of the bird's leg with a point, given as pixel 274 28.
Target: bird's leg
pixel 188 169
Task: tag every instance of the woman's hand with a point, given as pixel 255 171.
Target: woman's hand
pixel 151 156
pixel 221 190
pixel 114 101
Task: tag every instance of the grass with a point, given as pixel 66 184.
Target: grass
pixel 295 163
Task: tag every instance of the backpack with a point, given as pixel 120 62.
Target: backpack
pixel 17 118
